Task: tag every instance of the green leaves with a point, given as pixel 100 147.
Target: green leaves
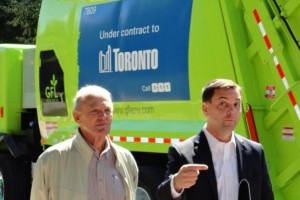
pixel 18 21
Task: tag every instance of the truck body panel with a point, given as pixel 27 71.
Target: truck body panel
pixel 11 77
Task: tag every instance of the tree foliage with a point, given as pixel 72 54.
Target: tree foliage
pixel 18 21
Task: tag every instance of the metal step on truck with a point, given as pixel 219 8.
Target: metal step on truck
pixel 154 56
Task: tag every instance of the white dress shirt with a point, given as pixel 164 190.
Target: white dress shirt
pixel 225 166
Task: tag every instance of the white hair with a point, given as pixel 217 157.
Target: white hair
pixel 90 90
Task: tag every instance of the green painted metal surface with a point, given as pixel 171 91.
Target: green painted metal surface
pixel 11 66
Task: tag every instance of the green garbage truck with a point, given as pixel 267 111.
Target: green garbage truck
pixel 154 56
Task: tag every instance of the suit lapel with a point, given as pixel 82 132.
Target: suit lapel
pixel 242 158
pixel 203 156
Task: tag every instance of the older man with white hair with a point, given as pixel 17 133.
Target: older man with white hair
pixel 87 166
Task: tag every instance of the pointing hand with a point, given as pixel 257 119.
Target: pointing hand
pixel 187 176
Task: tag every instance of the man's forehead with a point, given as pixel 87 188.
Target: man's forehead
pixel 227 93
pixel 238 98
pixel 94 100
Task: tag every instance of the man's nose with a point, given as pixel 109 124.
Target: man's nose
pixel 102 114
pixel 232 108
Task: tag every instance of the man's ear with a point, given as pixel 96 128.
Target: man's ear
pixel 204 108
pixel 76 116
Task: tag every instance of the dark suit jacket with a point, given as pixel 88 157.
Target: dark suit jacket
pixel 251 166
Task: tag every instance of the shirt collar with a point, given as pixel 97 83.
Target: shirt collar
pixel 105 151
pixel 107 148
pixel 214 142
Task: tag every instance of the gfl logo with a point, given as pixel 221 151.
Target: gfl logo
pixel 50 91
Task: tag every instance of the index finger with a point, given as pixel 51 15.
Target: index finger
pixel 196 166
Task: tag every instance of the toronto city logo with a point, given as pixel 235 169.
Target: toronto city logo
pixel 115 60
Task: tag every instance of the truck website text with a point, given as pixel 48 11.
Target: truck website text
pixel 133 110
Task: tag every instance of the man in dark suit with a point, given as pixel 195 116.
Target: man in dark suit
pixel 212 164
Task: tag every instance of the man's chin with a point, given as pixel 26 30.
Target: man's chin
pixel 102 132
pixel 230 124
